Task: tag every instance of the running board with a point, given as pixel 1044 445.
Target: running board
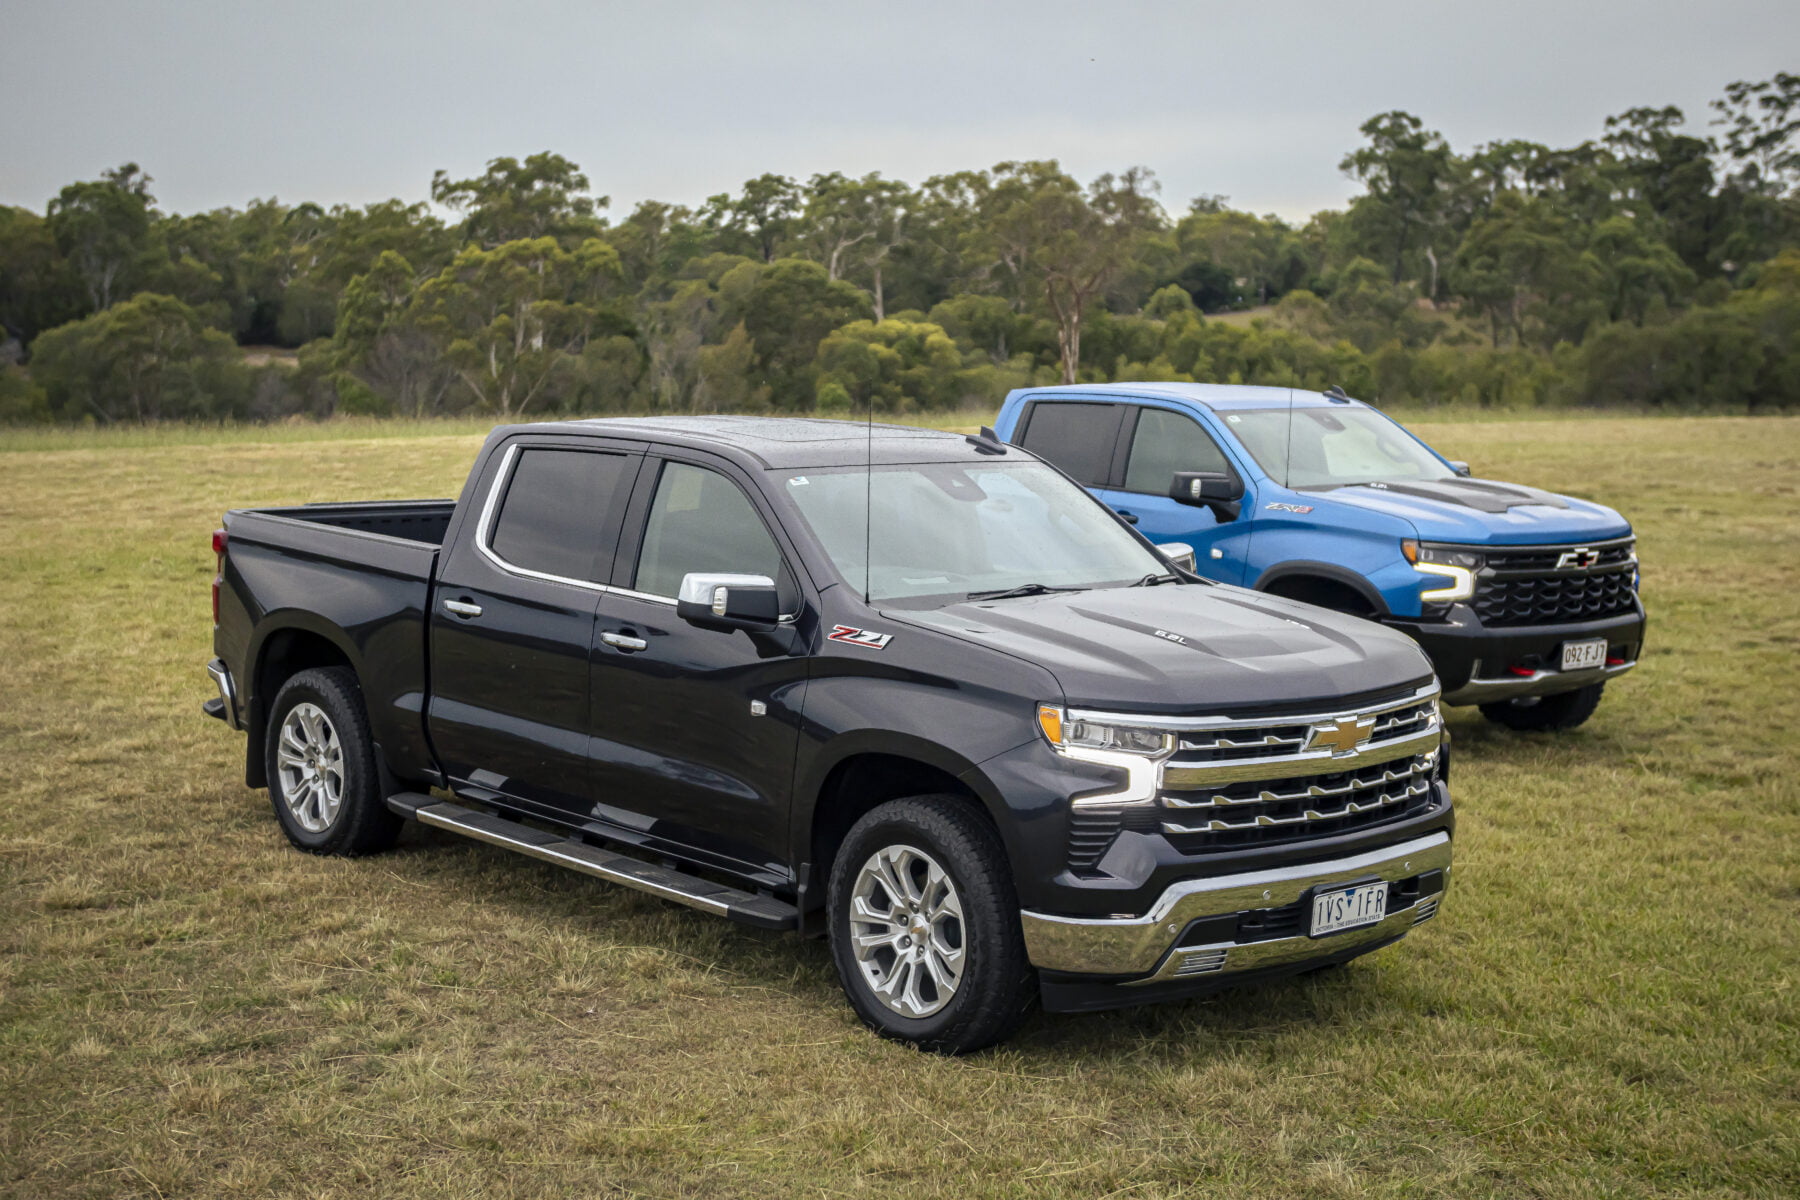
pixel 765 912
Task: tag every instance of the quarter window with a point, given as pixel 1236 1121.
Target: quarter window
pixel 556 504
pixel 701 521
pixel 1167 442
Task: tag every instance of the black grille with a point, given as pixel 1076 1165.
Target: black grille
pixel 1291 810
pixel 1554 599
pixel 1546 558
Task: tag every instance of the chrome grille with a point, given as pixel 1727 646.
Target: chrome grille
pixel 1246 782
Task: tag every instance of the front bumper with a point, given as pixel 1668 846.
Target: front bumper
pixel 1479 664
pixel 1208 930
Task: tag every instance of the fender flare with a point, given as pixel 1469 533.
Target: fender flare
pixel 1323 570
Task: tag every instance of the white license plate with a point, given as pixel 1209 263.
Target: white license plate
pixel 1348 908
pixel 1579 656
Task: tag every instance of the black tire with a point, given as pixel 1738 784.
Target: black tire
pixel 997 983
pixel 360 822
pixel 1565 710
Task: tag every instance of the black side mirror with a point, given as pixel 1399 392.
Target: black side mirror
pixel 1461 468
pixel 1208 489
pixel 716 601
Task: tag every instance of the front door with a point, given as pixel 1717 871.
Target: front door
pixel 1162 442
pixel 513 620
pixel 695 729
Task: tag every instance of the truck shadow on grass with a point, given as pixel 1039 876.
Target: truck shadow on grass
pixel 673 949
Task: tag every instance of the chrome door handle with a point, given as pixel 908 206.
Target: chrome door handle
pixel 462 608
pixel 624 641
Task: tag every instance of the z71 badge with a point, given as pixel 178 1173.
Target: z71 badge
pixel 868 639
pixel 1278 506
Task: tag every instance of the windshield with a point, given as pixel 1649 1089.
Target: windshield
pixel 944 531
pixel 1331 447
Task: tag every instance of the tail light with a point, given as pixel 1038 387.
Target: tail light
pixel 220 539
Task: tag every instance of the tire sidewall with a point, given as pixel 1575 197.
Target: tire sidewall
pixel 317 687
pixel 897 823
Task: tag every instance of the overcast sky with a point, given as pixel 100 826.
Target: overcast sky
pixel 355 102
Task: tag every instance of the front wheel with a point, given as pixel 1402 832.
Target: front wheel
pixel 1565 710
pixel 925 926
pixel 321 768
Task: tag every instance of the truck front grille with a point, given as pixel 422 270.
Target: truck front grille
pixel 1527 586
pixel 1258 814
pixel 1237 782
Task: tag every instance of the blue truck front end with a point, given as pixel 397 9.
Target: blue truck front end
pixel 1516 594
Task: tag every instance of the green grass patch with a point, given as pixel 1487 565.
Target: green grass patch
pixel 1606 1006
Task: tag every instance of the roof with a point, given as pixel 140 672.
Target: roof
pixel 1209 395
pixel 782 442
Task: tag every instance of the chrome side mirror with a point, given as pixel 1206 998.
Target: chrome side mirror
pixel 1178 554
pixel 721 601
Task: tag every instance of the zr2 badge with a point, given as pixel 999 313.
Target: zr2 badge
pixel 868 639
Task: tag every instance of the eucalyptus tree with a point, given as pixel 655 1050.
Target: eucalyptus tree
pixel 102 227
pixel 544 196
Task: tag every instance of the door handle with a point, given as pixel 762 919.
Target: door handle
pixel 1130 518
pixel 462 608
pixel 624 641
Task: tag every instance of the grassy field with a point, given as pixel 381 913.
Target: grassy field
pixel 1606 1007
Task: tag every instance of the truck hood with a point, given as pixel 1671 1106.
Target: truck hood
pixel 1483 512
pixel 1187 649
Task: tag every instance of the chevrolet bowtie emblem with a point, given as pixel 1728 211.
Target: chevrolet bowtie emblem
pixel 1343 735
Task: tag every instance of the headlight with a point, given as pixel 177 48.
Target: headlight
pixel 1456 568
pixel 1134 749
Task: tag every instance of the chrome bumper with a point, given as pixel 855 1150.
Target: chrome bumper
pixel 1538 683
pixel 1146 946
pixel 221 677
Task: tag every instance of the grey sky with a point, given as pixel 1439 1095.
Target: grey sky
pixel 354 102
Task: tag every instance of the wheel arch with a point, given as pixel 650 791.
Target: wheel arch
pixel 285 646
pixel 1298 576
pixel 863 771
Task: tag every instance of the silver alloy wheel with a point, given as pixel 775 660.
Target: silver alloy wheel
pixel 310 762
pixel 906 930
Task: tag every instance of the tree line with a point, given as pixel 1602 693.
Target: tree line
pixel 1652 265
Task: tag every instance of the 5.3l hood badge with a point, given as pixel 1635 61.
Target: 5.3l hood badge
pixel 1342 736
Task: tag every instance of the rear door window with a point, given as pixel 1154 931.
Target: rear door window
pixel 557 505
pixel 1079 438
pixel 1166 442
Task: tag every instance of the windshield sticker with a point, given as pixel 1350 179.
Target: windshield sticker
pixel 799 481
pixel 1278 506
pixel 868 639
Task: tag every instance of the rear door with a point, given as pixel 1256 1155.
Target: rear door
pixel 695 729
pixel 1155 443
pixel 513 618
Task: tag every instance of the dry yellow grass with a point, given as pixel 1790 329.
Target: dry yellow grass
pixel 1606 1007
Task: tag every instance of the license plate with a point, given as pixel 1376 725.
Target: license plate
pixel 1579 656
pixel 1348 908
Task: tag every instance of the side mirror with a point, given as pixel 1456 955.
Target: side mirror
pixel 1178 554
pixel 729 601
pixel 1461 468
pixel 1208 489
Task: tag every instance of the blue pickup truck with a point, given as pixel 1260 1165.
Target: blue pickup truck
pixel 1525 601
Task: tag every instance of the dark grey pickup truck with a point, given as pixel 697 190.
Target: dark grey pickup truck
pixel 915 692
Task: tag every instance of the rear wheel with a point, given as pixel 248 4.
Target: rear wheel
pixel 925 927
pixel 1565 710
pixel 320 760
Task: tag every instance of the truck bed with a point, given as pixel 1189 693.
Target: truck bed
pixel 362 569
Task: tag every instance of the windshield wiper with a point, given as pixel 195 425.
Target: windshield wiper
pixel 1024 589
pixel 1153 580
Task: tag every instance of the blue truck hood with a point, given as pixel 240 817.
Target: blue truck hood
pixel 1484 512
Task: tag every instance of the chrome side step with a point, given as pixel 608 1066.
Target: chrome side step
pixel 765 912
